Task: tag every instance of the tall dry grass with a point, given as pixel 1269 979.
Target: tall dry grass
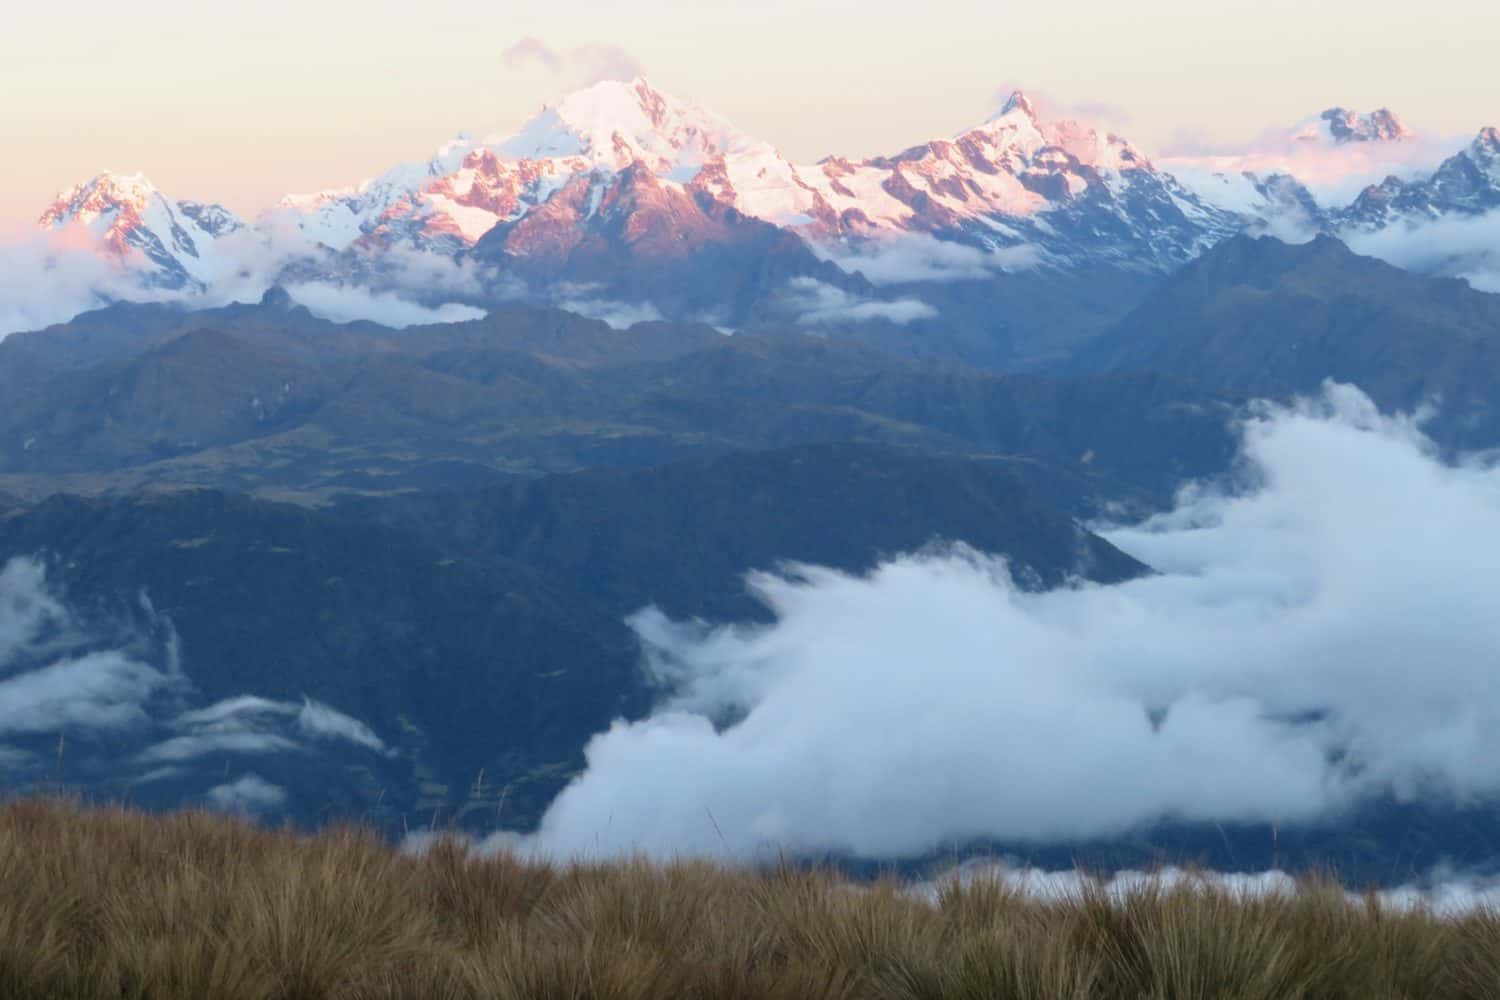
pixel 119 904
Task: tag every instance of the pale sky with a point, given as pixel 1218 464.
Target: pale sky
pixel 242 101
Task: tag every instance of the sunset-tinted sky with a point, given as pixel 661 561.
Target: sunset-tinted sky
pixel 245 100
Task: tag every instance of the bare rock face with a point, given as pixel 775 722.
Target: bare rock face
pixel 637 237
pixel 1382 125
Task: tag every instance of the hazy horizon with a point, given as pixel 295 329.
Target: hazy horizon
pixel 230 106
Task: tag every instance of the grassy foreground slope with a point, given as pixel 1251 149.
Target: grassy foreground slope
pixel 121 904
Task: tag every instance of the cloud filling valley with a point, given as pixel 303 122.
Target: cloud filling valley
pixel 1321 632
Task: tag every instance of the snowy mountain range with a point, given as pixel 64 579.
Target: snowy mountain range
pixel 620 191
pixel 1466 184
pixel 177 242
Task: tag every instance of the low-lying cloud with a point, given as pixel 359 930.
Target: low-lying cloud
pixel 117 694
pixel 250 795
pixel 53 276
pixel 45 280
pixel 248 714
pixel 1458 247
pixel 1324 635
pixel 814 303
pixel 1335 173
pixel 26 608
pixel 95 691
pixel 589 300
pixel 344 303
pixel 53 679
pixel 918 257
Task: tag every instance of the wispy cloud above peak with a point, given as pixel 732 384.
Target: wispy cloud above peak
pixel 1050 107
pixel 579 65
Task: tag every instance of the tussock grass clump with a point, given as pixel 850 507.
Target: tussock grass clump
pixel 120 904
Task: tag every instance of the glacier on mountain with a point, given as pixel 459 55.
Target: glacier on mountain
pixel 617 177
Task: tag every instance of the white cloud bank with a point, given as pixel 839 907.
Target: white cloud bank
pixel 1328 635
pixel 52 277
pixel 44 280
pixel 589 300
pixel 49 681
pixel 250 795
pixel 58 676
pixel 918 257
pixel 343 303
pixel 814 303
pixel 1465 247
pixel 1335 173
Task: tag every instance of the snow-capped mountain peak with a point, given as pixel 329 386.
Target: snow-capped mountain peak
pixel 1017 103
pixel 125 214
pixel 469 186
pixel 404 176
pixel 339 216
pixel 613 124
pixel 1295 180
pixel 1023 187
pixel 1485 149
pixel 1020 127
pixel 103 197
pixel 1465 184
pixel 622 164
pixel 1474 174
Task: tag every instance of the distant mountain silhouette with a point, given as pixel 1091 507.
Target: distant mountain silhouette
pixel 257 398
pixel 1261 317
